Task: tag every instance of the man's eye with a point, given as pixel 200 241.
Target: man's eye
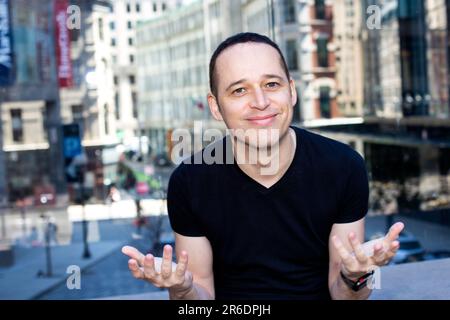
pixel 272 84
pixel 239 91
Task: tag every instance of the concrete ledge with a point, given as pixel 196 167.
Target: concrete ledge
pixel 161 295
pixel 428 280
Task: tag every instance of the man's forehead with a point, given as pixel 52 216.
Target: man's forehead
pixel 247 49
pixel 249 58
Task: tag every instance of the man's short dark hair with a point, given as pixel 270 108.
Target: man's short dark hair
pixel 231 41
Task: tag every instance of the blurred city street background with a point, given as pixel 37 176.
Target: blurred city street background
pixel 92 92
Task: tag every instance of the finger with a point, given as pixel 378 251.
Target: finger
pixel 133 253
pixel 182 264
pixel 357 248
pixel 149 266
pixel 395 245
pixel 378 254
pixel 166 267
pixel 347 259
pixel 135 270
pixel 394 231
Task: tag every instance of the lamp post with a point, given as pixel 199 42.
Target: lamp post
pixel 80 163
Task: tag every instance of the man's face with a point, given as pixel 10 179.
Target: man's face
pixel 253 92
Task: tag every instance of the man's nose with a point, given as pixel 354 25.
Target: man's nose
pixel 260 99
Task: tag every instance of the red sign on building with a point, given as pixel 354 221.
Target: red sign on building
pixel 62 39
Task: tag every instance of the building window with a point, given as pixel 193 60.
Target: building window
pixel 131 58
pixel 45 117
pixel 155 8
pixel 289 11
pixel 17 125
pixel 322 52
pixel 128 7
pixel 116 80
pixel 138 7
pixel 74 34
pixel 117 106
pixel 132 79
pixel 163 6
pixel 112 25
pixel 320 9
pixel 135 106
pixel 325 103
pixel 106 109
pixel 291 49
pixel 100 28
pixel 130 25
pixel 113 42
pixel 77 115
pixel 130 41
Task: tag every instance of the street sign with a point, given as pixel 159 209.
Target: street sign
pixel 72 150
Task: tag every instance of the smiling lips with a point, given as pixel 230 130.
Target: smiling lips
pixel 263 120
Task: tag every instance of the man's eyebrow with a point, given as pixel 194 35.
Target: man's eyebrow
pixel 235 83
pixel 266 76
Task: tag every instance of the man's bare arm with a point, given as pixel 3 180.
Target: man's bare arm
pixel 200 266
pixel 354 258
pixel 338 289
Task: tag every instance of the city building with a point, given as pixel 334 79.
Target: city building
pixel 122 22
pixel 438 57
pixel 317 60
pixel 403 73
pixel 404 137
pixel 370 38
pixel 173 54
pixel 29 100
pixel 347 20
pixel 89 99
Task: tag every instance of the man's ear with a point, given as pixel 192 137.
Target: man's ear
pixel 293 91
pixel 214 107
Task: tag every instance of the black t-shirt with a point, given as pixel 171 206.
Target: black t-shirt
pixel 271 243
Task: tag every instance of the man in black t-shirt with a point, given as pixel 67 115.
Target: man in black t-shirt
pixel 289 225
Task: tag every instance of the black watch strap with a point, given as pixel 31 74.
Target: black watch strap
pixel 360 283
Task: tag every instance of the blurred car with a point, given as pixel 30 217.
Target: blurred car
pixel 433 255
pixel 410 249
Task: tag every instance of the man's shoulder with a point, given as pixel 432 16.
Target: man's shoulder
pixel 208 160
pixel 326 147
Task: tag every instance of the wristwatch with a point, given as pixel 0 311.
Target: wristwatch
pixel 360 283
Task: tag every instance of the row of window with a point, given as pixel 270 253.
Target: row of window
pixel 131 80
pixel 289 11
pixel 166 29
pixel 114 42
pixel 137 7
pixel 292 53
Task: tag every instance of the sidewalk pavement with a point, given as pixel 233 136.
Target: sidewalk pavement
pixel 20 282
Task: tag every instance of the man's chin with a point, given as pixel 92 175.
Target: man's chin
pixel 259 143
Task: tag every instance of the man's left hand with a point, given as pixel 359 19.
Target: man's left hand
pixel 369 255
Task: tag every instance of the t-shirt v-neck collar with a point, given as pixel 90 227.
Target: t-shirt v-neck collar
pixel 286 178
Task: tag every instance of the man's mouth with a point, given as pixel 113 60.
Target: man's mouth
pixel 262 120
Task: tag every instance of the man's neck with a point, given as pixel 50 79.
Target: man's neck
pixel 270 166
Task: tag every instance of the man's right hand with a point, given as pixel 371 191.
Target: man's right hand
pixel 163 273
